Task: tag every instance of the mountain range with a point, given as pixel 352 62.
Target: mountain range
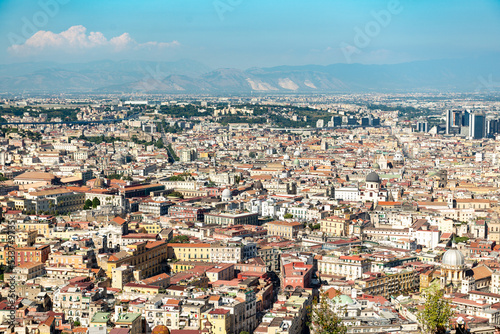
pixel 191 77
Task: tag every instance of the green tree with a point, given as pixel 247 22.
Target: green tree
pixel 252 155
pixel 325 319
pixel 159 143
pixel 461 239
pixel 181 239
pixel 436 313
pixel 176 194
pixel 288 216
pixel 96 202
pixel 172 152
pixel 176 178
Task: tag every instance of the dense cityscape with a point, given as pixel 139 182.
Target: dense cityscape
pixel 249 167
pixel 235 214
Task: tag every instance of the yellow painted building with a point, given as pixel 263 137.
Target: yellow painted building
pixel 42 227
pixel 151 228
pixel 145 256
pixel 23 238
pixel 284 229
pixel 3 253
pixel 220 321
pixel 73 260
pixel 189 252
pixel 335 226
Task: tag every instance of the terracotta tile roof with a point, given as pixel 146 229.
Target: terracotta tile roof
pixel 481 272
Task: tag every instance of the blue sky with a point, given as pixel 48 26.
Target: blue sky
pixel 247 33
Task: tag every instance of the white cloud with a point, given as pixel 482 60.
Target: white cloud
pixel 76 39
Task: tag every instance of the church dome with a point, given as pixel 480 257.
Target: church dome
pixel 286 157
pixel 161 329
pixel 343 300
pixel 296 162
pixel 99 183
pixel 226 194
pixel 373 177
pixel 453 257
pixel 376 166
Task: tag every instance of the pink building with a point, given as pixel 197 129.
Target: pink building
pixel 297 274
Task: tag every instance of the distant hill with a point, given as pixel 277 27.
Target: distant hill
pixel 186 76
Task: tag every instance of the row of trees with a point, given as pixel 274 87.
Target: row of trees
pixel 91 204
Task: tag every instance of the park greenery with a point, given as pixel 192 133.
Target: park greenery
pixel 65 114
pixel 182 239
pixel 325 318
pixel 172 152
pixel 436 314
pixel 33 136
pixel 175 194
pixel 91 204
pixel 460 239
pixel 180 177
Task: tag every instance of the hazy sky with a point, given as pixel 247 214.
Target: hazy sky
pixel 247 33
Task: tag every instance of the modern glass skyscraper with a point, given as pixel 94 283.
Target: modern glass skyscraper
pixel 477 126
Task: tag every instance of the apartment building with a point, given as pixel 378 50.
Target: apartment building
pixel 232 252
pixel 32 254
pixel 146 257
pixel 228 219
pixel 43 227
pixel 335 226
pixel 387 285
pixel 297 274
pixel 223 272
pixel 189 211
pixel 284 229
pixel 63 200
pixel 27 271
pixel 351 267
pixel 156 208
pixel 76 301
pixel 189 252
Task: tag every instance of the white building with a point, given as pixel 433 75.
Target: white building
pixel 348 194
pixel 427 238
pixel 351 267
